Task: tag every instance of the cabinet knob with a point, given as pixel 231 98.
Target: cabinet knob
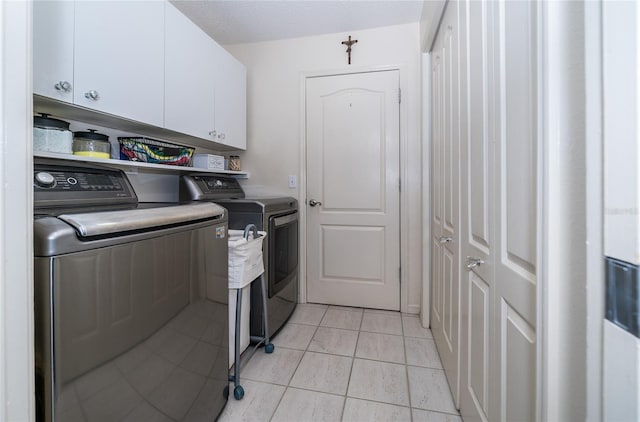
pixel 221 136
pixel 92 95
pixel 213 133
pixel 64 86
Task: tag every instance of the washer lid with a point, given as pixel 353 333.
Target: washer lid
pixel 111 222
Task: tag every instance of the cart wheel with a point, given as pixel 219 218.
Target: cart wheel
pixel 225 392
pixel 238 392
pixel 268 348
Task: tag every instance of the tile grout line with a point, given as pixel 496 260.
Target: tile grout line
pixel 353 362
pixel 353 357
pixel 298 365
pixel 406 368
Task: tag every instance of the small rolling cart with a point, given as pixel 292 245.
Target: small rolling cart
pixel 245 267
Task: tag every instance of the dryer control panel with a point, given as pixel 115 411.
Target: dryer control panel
pixel 202 187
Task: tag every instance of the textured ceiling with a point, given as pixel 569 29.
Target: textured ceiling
pixel 243 21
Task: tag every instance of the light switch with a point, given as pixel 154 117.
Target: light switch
pixel 293 181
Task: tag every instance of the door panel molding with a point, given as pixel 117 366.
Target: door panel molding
pixel 478 332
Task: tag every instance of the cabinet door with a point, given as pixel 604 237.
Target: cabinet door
pixel 53 49
pixel 189 77
pixel 119 58
pixel 231 100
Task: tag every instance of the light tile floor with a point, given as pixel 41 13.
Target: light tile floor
pixel 335 363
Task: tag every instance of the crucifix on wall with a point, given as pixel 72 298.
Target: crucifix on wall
pixel 349 43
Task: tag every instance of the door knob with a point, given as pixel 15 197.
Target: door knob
pixel 445 239
pixel 473 262
pixel 313 202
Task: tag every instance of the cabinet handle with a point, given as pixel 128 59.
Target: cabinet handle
pixel 473 262
pixel 63 86
pixel 445 239
pixel 92 95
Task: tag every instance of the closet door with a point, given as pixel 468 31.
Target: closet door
pixel 499 223
pixel 478 165
pixel 445 198
pixel 514 302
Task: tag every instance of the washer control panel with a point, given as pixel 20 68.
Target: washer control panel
pixel 77 181
pixel 69 185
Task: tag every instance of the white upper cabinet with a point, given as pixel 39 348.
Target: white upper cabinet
pixel 143 63
pixel 189 77
pixel 205 86
pixel 53 49
pixel 119 58
pixel 231 99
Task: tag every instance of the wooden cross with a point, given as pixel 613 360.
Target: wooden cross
pixel 349 43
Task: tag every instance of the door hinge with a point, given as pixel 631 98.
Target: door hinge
pixel 399 95
pixel 400 185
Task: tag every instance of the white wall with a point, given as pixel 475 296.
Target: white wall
pixel 275 72
pixel 621 131
pixel 621 153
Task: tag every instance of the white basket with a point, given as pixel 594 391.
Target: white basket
pixel 245 258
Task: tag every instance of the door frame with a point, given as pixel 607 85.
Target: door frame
pixel 404 205
pixel 17 382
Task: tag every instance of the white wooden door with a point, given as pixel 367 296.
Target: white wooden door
pixel 447 128
pixel 353 236
pixel 478 167
pixel 500 185
pixel 516 208
pixel 53 49
pixel 119 58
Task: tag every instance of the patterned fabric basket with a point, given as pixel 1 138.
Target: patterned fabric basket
pixel 152 151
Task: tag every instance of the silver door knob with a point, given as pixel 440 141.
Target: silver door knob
pixel 313 202
pixel 473 262
pixel 92 95
pixel 445 239
pixel 64 86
